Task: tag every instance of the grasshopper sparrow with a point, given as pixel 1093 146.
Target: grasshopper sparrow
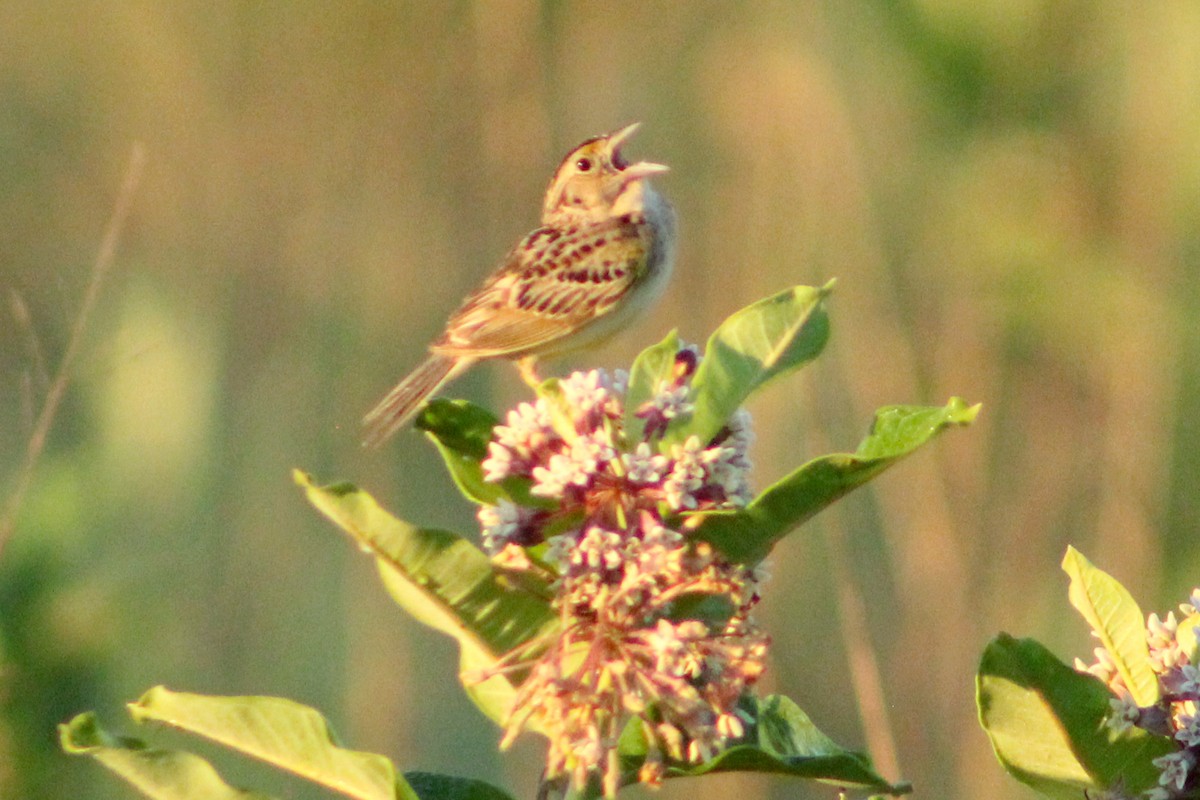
pixel 603 253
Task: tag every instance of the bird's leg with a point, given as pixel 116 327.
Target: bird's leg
pixel 527 367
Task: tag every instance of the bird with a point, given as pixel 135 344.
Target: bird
pixel 602 254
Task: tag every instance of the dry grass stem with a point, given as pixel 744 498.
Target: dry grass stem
pixel 58 387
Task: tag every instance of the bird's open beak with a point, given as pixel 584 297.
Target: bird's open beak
pixel 632 172
pixel 618 138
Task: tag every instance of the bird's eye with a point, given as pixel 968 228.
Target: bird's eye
pixel 584 165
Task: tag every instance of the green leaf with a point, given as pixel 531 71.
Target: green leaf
pixel 459 425
pixel 747 536
pixel 432 786
pixel 766 339
pixel 278 731
pixel 447 583
pixel 1185 637
pixel 1046 724
pixel 651 368
pixel 1118 622
pixel 158 774
pixel 782 740
pixel 788 742
pixel 461 431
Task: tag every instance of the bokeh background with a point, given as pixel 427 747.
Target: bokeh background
pixel 1007 193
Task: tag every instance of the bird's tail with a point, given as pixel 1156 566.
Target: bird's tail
pixel 402 402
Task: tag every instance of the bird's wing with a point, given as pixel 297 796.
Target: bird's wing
pixel 551 285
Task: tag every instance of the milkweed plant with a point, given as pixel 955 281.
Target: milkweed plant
pixel 1124 725
pixel 606 603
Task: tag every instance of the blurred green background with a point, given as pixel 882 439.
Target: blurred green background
pixel 1007 193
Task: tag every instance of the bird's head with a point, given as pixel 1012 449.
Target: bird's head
pixel 595 181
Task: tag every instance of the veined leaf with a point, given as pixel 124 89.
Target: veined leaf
pixel 789 743
pixel 446 583
pixel 280 732
pixel 1115 617
pixel 432 786
pixel 461 431
pixel 651 368
pixel 460 425
pixel 747 536
pixel 158 774
pixel 781 740
pixel 1046 724
pixel 762 341
pixel 1185 636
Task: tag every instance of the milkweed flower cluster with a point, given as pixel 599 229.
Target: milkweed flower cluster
pixel 1177 712
pixel 639 636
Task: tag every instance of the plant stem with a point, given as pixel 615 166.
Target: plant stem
pixel 58 387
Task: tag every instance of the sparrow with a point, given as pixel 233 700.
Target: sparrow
pixel 603 254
